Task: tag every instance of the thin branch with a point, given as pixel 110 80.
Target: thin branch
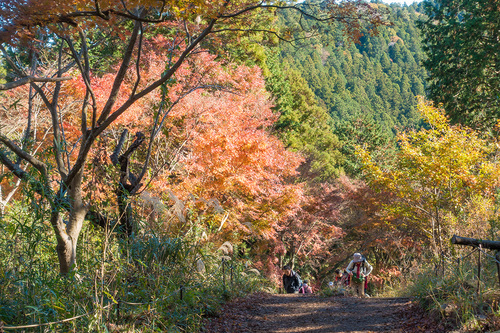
pixel 188 35
pixel 14 168
pixel 39 165
pixel 30 79
pixel 251 8
pixel 27 131
pixel 120 76
pixel 57 89
pixel 118 148
pixel 256 30
pixel 137 63
pixel 12 63
pixel 89 91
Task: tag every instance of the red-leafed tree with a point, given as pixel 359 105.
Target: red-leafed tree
pixel 47 42
pixel 230 154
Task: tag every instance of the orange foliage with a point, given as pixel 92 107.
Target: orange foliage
pixel 230 153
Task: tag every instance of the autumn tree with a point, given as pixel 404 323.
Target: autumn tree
pixel 45 43
pixel 230 155
pixel 368 228
pixel 442 181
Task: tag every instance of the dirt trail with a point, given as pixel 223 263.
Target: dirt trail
pixel 294 313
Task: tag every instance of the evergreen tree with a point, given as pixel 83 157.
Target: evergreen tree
pixel 378 78
pixel 303 125
pixel 462 46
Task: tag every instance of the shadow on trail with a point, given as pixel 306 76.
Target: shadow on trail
pixel 309 313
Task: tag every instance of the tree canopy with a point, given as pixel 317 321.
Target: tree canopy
pixel 461 43
pixel 48 43
pixel 442 180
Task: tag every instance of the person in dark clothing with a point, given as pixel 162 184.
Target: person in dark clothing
pixel 291 280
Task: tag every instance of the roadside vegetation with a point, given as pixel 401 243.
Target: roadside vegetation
pixel 150 282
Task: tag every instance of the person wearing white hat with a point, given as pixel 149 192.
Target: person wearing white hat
pixel 358 269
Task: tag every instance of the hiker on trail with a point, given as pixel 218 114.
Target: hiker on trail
pixel 291 280
pixel 305 288
pixel 359 269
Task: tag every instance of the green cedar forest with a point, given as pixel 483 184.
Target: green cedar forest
pixel 369 88
pixel 160 159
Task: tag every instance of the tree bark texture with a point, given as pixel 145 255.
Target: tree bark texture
pixel 67 233
pixel 128 182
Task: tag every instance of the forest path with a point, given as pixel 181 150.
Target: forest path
pixel 294 313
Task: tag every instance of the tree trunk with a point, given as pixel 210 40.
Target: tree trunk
pixel 64 248
pixel 67 234
pixel 128 182
pixel 292 256
pixel 125 210
pixel 440 238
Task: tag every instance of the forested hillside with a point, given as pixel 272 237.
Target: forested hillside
pixel 158 158
pixel 377 78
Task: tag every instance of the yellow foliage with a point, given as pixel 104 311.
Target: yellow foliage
pixel 443 178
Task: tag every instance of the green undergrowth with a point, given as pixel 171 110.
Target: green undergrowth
pixel 457 297
pixel 146 283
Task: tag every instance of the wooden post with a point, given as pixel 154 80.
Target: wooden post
pixel 231 275
pixel 181 292
pixel 479 270
pixel 118 313
pixel 497 257
pixel 224 273
pixel 442 264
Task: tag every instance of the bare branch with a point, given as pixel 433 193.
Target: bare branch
pixel 118 148
pixel 39 165
pixel 30 79
pixel 256 30
pixel 137 62
pixel 85 71
pixel 120 76
pixel 12 63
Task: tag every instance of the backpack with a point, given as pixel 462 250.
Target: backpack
pixel 299 278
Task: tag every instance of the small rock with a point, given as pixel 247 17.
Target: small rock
pixel 449 310
pixel 480 317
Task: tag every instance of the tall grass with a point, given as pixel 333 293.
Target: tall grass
pixel 120 284
pixel 457 296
